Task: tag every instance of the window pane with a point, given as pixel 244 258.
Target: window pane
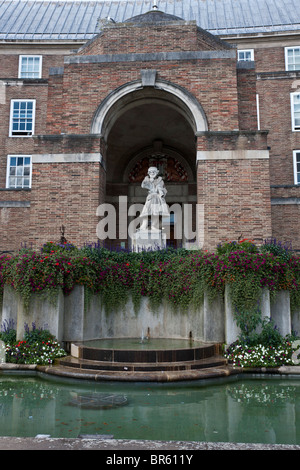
pixel 30 67
pixel 245 55
pixel 22 118
pixel 19 173
pixel 293 57
pixel 298 168
pixel 12 182
pixel 36 64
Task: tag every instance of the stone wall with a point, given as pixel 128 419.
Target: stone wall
pixel 70 320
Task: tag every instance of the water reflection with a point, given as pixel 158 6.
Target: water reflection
pixel 236 410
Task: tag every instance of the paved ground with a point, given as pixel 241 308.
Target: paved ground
pixel 16 443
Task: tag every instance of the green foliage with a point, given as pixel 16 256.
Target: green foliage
pixel 248 321
pixel 179 277
pixel 37 335
pixel 8 333
pixel 242 245
pixel 263 348
pixel 37 347
pixel 51 247
pixel 258 355
pixel 277 248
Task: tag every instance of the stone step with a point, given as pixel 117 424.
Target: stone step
pixel 77 373
pixel 85 364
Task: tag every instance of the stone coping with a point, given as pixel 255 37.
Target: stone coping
pixel 121 376
pixel 225 371
pixel 119 445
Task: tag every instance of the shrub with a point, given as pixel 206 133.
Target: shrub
pixel 241 245
pixel 40 352
pixel 277 248
pixel 38 347
pixel 265 349
pixel 51 247
pixel 8 333
pixel 37 335
pixel 181 277
pixel 242 355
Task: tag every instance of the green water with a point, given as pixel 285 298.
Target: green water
pixel 264 410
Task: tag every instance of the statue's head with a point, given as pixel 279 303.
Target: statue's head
pixel 153 171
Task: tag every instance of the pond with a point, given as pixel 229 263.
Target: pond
pixel 236 409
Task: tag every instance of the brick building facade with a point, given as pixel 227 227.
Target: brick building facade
pixel 83 117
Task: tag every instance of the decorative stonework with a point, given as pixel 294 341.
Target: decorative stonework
pixel 170 168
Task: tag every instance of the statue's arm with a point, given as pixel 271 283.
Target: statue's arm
pixel 146 183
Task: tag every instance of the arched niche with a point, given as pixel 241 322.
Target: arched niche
pixel 157 123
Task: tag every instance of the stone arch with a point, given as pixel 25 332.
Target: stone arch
pixel 158 120
pixel 127 96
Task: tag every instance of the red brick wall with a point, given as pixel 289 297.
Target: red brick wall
pixel 10 63
pixel 275 115
pixel 126 39
pixel 20 145
pixel 246 82
pixel 274 86
pixel 235 193
pixel 212 82
pixel 269 59
pixel 65 194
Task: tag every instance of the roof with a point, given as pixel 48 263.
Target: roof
pixel 82 19
pixel 152 17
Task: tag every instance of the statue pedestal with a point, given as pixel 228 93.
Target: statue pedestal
pixel 148 240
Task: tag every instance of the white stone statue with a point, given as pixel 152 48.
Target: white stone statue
pixel 155 203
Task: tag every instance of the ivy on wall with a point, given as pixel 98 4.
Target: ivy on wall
pixel 180 277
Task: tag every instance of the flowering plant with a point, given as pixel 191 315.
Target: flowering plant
pixel 37 347
pixel 240 245
pixel 42 273
pixel 243 355
pixel 43 352
pixel 181 277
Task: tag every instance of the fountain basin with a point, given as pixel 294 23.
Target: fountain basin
pixel 135 350
pixel 130 359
